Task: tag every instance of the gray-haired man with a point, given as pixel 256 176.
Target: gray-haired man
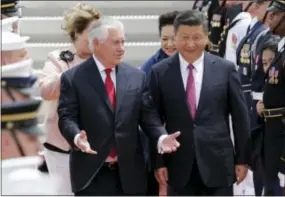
pixel 107 100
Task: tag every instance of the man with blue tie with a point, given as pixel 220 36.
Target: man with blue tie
pixel 195 92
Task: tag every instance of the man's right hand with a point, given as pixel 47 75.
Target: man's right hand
pixel 82 143
pixel 161 175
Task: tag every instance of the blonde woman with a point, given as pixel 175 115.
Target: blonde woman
pixel 77 23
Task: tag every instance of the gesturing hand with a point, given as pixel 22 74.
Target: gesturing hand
pixel 241 172
pixel 259 108
pixel 83 144
pixel 170 143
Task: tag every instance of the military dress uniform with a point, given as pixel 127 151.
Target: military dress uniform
pixel 274 110
pixel 217 26
pixel 235 33
pixel 274 107
pixel 225 21
pixel 20 175
pixel 257 86
pixel 244 60
pixel 257 74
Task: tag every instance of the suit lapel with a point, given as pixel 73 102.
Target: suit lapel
pixel 206 80
pixel 95 80
pixel 176 77
pixel 121 84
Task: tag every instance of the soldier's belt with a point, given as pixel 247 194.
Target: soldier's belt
pixel 274 113
pixel 258 96
pixel 246 88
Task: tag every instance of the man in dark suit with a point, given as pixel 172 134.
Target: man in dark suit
pixel 195 92
pixel 107 100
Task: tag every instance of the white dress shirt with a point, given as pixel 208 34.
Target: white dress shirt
pixel 198 72
pixel 236 34
pixel 102 72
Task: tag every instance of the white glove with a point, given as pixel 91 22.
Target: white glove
pixel 281 179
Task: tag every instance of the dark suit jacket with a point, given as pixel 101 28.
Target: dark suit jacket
pixel 84 105
pixel 207 138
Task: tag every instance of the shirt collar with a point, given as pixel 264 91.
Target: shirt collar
pixel 184 64
pixel 253 22
pixel 100 66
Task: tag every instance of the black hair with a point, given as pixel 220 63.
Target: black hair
pixel 271 43
pixel 166 19
pixel 191 18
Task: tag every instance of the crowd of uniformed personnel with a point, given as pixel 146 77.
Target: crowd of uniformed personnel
pixel 251 34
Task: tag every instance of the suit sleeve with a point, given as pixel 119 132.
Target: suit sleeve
pixel 240 119
pixel 150 121
pixel 156 158
pixel 68 110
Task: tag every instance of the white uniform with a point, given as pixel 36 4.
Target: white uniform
pixel 236 34
pixel 20 176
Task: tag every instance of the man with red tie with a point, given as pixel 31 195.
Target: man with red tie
pixel 101 106
pixel 195 92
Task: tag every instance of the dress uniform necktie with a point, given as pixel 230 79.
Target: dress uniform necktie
pixel 191 92
pixel 112 97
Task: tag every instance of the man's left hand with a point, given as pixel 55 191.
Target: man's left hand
pixel 169 143
pixel 241 172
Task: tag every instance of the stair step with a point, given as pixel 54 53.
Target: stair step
pixel 55 8
pixel 138 28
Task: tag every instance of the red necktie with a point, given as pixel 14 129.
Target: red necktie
pixel 112 97
pixel 191 92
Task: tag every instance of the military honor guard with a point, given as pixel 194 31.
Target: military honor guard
pixel 217 26
pixel 244 52
pixel 236 30
pixel 274 106
pixel 267 53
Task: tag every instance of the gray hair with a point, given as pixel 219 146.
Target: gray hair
pixel 100 29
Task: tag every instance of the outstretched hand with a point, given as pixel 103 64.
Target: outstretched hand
pixel 170 143
pixel 83 144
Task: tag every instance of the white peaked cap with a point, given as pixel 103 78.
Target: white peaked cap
pixel 11 41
